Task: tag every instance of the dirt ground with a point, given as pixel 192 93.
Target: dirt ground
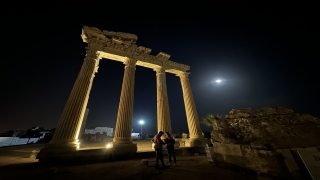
pixel 19 163
pixel 188 168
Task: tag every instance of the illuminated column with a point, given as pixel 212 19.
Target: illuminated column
pixel 83 124
pixel 122 134
pixel 71 118
pixel 163 112
pixel 191 111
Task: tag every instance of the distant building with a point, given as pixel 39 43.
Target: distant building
pixel 135 135
pixel 102 130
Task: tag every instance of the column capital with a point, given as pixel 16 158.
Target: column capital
pixel 129 62
pixel 183 75
pixel 160 70
pixel 92 53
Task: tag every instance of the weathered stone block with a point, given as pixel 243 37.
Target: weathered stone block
pixel 227 149
pixel 290 162
pixel 236 160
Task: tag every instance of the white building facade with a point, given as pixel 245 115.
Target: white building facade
pixel 102 130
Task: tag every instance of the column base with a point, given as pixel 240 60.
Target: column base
pixel 196 142
pixel 57 150
pixel 126 140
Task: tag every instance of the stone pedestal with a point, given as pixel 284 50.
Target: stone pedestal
pixel 65 138
pixel 56 152
pixel 122 141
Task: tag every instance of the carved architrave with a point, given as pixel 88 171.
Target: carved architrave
pixel 177 66
pixel 139 50
pixel 125 43
pixel 130 50
pixel 90 33
pixel 146 52
pixel 126 37
pixel 163 56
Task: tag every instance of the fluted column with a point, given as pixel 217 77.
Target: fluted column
pixel 191 111
pixel 83 123
pixel 71 118
pixel 163 112
pixel 122 134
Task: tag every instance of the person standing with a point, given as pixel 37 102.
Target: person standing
pixel 170 148
pixel 158 148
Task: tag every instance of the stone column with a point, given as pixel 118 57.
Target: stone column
pixel 163 112
pixel 122 141
pixel 83 124
pixel 196 137
pixel 65 138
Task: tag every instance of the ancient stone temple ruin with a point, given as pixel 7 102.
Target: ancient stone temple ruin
pixel 121 47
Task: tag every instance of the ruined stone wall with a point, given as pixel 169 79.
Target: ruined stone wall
pixel 269 128
pixel 261 139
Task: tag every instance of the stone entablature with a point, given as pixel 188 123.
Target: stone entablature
pixel 118 46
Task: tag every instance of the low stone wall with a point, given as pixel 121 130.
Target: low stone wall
pixel 14 141
pixel 187 142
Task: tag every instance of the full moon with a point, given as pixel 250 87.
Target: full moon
pixel 218 81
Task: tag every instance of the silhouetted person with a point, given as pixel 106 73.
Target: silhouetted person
pixel 170 148
pixel 158 148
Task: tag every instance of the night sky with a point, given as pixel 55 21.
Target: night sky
pixel 266 55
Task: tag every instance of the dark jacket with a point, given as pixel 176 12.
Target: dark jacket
pixel 170 143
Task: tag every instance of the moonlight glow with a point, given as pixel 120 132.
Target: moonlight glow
pixel 218 81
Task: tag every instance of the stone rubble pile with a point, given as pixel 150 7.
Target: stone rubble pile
pixel 262 140
pixel 267 128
